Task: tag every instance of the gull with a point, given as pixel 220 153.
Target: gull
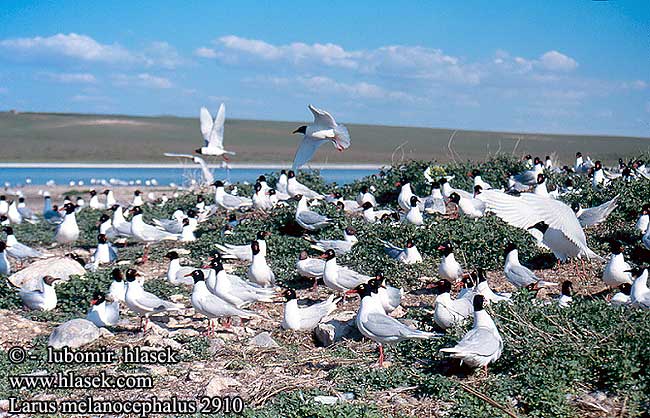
pixel 147 233
pixel 212 306
pixel 187 235
pixel 644 219
pixel 646 239
pixel 275 194
pixel 371 215
pixel 94 201
pixel 616 271
pixel 529 177
pixel 557 221
pixel 177 274
pixel 121 227
pixel 310 268
pixel 117 289
pixel 104 223
pixel 20 251
pixel 435 203
pixel 110 199
pixel 142 302
pixel 565 298
pixel 294 187
pixel 373 322
pixel 228 201
pixel 414 214
pixel 449 268
pixel 340 247
pixel 447 190
pixel 482 287
pixel 208 178
pixel 212 131
pixel 471 207
pixel 173 225
pixel 365 196
pixel 283 182
pixel 5 267
pixel 540 188
pixel 448 312
pixel 105 253
pixel 4 205
pixel 259 271
pixel 103 313
pixel 261 199
pixel 43 299
pixel 482 344
pixel 26 213
pixel 597 214
pixel 308 219
pixel 340 279
pixel 80 204
pixel 581 166
pixel 244 252
pixel 390 296
pixel 640 294
pixel 67 231
pixel 407 255
pixel 478 180
pixel 348 206
pixel 233 289
pixel 323 129
pixel 518 275
pixel 404 199
pixel 13 214
pixel 623 297
pixel 305 318
pixel 137 198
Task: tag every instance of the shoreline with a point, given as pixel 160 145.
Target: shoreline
pixel 261 166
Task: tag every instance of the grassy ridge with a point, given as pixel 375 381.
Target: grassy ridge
pixel 74 137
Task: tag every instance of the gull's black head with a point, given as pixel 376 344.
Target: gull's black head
pixel 232 217
pixel 200 198
pixel 568 183
pixel 297 197
pixel 262 235
pixel 172 255
pixel 435 185
pixel 271 192
pixel 257 187
pixel 445 248
pixel 442 286
pixel 509 247
pixel 598 165
pixel 616 247
pixel 442 181
pixel 575 206
pixel 541 225
pixel 106 192
pixel 548 157
pixel 101 238
pixel 137 193
pixel 567 288
pixel 454 197
pixel 578 154
pixel 541 178
pixel 115 207
pixel 289 294
pixel 186 222
pixel 329 255
pixel 255 247
pixel 93 193
pixel 303 255
pixel 537 161
pixel 198 276
pixel 131 275
pixel 364 189
pixel 69 208
pixel 191 213
pixel 366 205
pixel 301 130
pixel 261 178
pixel 480 273
pixel 475 172
pixel 477 190
pixel 3 246
pixel 137 210
pixel 8 230
pixel 362 289
pixel 103 218
pixel 117 275
pixel 636 271
pixel 218 183
pixel 21 199
pixel 98 298
pixel 478 303
pixel 410 243
pixel 414 201
pixel 626 288
pixel 291 174
pixel 350 231
pixel 283 172
pixel 216 264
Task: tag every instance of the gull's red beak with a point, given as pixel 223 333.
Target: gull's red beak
pixel 188 275
pixel 93 302
pixel 351 292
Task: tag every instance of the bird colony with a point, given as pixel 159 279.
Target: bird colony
pixel 463 277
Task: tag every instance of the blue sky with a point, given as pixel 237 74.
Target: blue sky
pixel 571 66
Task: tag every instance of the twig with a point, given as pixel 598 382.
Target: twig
pixel 487 399
pixel 516 145
pixel 451 138
pixel 398 148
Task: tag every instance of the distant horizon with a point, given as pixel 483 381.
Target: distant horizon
pixel 494 131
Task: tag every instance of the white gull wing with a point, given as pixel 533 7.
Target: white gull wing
pixel 521 276
pixel 527 209
pixel 481 342
pixel 305 151
pixel 311 315
pixel 322 118
pixel 148 302
pixel 597 214
pixel 206 124
pixel 215 140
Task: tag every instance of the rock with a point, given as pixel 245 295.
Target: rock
pixel 157 370
pixel 105 333
pixel 218 384
pixel 335 328
pixel 74 334
pixel 216 344
pixel 263 339
pixel 186 332
pixel 61 267
pixel 4 405
pixel 326 400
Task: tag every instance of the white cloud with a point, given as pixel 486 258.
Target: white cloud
pixel 70 77
pixel 204 52
pixel 72 45
pixel 635 85
pixel 163 55
pixel 141 80
pixel 90 98
pixel 556 61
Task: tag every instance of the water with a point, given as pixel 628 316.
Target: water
pixel 164 176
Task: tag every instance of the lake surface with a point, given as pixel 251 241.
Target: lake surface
pixel 164 176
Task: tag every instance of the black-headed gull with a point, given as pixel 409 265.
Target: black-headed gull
pixel 148 233
pixel 470 207
pixel 233 289
pixel 212 306
pixel 212 131
pixel 109 199
pixel 371 215
pixel 566 296
pixel 616 271
pixel 43 299
pixel 294 187
pixel 340 247
pixel 644 219
pixel 308 219
pixel 449 268
pixel 323 129
pixel 259 271
pixel 390 296
pixel 102 312
pixel 261 199
pixel 243 252
pixel 142 302
pixel 435 203
pixel 365 196
pixel 447 311
pixel 640 294
pixel 18 250
pixel 117 289
pixel 482 344
pixel 310 268
pixel 5 266
pixel 94 201
pixel 518 275
pixel 373 322
pixel 177 274
pixel 340 279
pixel 623 297
pixel 228 201
pixel 407 255
pixel 414 214
pixel 475 174
pixel 67 231
pixel 305 318
pixel 4 205
pixel 104 253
